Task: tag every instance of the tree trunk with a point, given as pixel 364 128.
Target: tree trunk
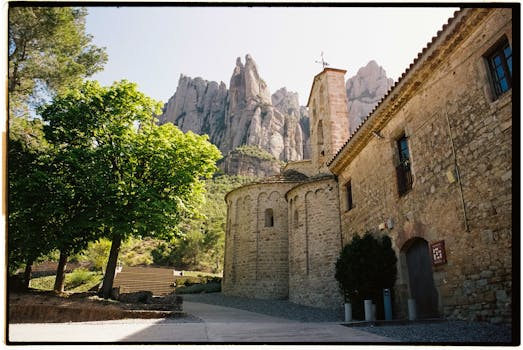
pixel 60 272
pixel 27 273
pixel 110 270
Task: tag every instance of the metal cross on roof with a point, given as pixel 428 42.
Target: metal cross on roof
pixel 323 63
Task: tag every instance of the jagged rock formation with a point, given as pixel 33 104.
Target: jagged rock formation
pixel 253 120
pixel 364 91
pixel 200 106
pixel 243 115
pixel 247 114
pixel 287 102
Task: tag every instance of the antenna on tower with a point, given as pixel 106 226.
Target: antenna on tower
pixel 323 63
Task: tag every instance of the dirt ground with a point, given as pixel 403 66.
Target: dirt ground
pixel 37 306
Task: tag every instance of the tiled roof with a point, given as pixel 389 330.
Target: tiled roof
pixel 287 176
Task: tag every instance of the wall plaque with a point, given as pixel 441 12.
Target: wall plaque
pixel 439 257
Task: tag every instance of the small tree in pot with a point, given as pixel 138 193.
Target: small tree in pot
pixel 364 268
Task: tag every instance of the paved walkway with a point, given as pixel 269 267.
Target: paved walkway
pixel 207 323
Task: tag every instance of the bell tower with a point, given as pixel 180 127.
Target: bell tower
pixel 329 124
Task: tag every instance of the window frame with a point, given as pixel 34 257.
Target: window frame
pixel 498 51
pixel 404 177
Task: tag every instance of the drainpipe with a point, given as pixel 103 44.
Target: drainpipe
pixel 456 167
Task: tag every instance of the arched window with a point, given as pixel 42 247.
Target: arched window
pixel 269 218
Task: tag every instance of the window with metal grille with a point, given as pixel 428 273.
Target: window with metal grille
pixel 500 66
pixel 403 171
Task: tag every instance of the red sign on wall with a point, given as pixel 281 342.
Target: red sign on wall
pixel 439 257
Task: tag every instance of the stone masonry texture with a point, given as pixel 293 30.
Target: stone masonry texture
pixel 475 283
pixel 459 137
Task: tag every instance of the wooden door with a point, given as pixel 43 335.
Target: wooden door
pixel 420 280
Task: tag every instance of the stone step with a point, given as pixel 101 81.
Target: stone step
pixel 157 280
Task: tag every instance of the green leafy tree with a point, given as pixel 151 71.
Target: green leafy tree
pixel 49 52
pixel 148 178
pixel 365 267
pixel 28 220
pixel 49 198
pixel 133 252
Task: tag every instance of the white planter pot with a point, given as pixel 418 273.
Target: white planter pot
pixel 412 309
pixel 348 312
pixel 368 309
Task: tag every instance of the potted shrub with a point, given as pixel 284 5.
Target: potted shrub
pixel 364 268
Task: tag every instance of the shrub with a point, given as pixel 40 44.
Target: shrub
pixel 256 152
pixel 188 281
pixel 364 268
pixel 76 278
pixel 212 287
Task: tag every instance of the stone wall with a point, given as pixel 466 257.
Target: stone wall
pixel 452 106
pixel 329 116
pixel 314 244
pixel 256 250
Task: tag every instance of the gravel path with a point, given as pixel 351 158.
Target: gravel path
pixel 446 332
pixel 456 332
pixel 276 308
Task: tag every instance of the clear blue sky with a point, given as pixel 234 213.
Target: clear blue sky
pixel 152 46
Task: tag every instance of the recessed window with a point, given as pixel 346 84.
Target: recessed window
pixel 348 195
pixel 269 218
pixel 403 171
pixel 500 67
pixel 320 138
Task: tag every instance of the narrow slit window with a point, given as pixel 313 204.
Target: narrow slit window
pixel 348 189
pixel 269 218
pixel 320 139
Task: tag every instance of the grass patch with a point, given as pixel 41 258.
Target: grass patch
pixel 42 283
pixel 78 281
pixel 81 280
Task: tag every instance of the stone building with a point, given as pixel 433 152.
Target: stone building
pixel 430 166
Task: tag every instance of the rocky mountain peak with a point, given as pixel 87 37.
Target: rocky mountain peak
pixel 364 91
pixel 255 121
pixel 247 114
pixel 246 84
pixel 286 101
pixel 242 115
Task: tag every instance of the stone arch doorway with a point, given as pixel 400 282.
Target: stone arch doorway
pixel 421 282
